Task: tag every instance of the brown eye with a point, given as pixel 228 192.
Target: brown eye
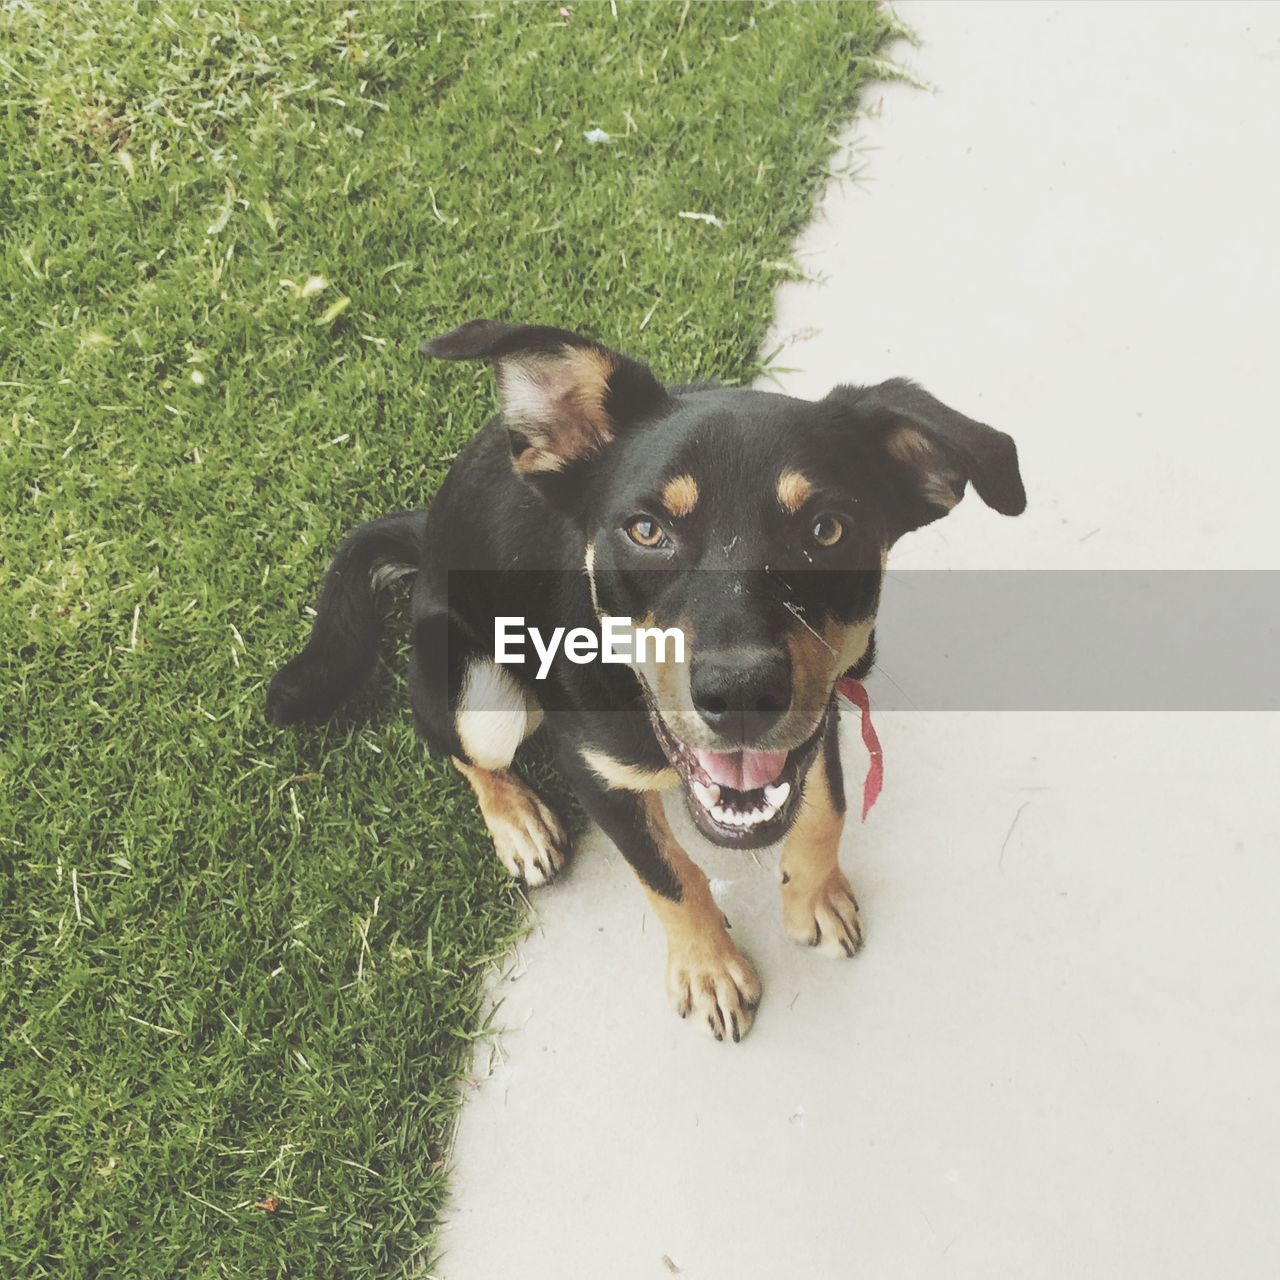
pixel 828 530
pixel 645 532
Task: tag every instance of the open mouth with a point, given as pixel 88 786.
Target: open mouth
pixel 742 799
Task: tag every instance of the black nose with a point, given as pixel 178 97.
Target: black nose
pixel 741 694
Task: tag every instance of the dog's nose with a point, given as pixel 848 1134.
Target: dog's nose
pixel 741 695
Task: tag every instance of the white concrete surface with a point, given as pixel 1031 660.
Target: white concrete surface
pixel 1058 1054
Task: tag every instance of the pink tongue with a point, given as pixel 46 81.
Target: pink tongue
pixel 741 770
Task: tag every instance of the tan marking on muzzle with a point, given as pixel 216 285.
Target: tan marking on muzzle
pixel 819 657
pixel 668 682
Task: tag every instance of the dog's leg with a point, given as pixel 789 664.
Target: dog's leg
pixel 529 838
pixel 818 906
pixel 468 708
pixel 708 978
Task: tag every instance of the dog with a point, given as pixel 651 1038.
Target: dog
pixel 755 524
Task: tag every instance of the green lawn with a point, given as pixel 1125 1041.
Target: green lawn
pixel 237 963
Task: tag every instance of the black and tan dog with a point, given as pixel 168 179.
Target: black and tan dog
pixel 756 523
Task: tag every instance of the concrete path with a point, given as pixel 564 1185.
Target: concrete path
pixel 1058 1054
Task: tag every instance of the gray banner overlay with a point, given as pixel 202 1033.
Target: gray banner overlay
pixel 1124 640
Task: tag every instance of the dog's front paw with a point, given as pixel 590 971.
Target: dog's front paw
pixel 530 840
pixel 710 979
pixel 822 913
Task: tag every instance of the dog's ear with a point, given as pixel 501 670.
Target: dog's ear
pixel 564 397
pixel 931 452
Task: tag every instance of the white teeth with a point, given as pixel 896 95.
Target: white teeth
pixel 736 818
pixel 708 796
pixel 777 794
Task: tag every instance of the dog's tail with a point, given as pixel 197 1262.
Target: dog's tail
pixel 343 647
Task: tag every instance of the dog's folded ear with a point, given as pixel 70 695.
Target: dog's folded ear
pixel 931 451
pixel 564 396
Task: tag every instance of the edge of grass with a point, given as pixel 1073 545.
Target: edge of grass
pixel 241 970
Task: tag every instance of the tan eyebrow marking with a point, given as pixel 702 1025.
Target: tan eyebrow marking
pixel 794 490
pixel 680 495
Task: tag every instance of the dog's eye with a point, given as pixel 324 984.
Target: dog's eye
pixel 647 533
pixel 827 530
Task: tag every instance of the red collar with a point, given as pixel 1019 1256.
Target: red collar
pixel 853 691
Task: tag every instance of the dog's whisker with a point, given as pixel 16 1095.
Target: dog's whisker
pixel 797 613
pixel 876 666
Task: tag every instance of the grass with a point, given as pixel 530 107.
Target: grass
pixel 240 969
